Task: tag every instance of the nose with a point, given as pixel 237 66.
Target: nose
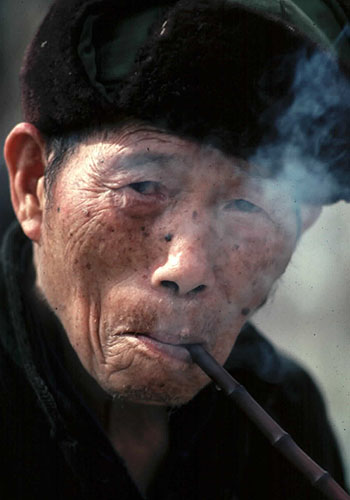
pixel 188 268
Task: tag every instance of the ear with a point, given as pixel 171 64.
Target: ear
pixel 308 216
pixel 26 160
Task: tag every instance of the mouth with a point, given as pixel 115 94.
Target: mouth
pixel 162 348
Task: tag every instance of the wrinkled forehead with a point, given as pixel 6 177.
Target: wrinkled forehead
pixel 139 146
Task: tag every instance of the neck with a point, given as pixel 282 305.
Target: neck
pixel 139 433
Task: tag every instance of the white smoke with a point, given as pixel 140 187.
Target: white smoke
pixel 310 149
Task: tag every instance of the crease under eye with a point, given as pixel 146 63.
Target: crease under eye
pixel 242 205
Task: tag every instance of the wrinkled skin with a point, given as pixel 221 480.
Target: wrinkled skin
pixel 146 242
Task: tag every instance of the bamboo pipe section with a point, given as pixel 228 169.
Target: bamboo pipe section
pixel 277 436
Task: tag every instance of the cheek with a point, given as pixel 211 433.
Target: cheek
pixel 253 265
pixel 99 242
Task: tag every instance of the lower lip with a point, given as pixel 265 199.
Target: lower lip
pixel 178 353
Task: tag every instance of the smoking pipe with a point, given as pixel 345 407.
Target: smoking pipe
pixel 277 436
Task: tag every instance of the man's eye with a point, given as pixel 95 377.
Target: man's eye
pixel 146 187
pixel 243 206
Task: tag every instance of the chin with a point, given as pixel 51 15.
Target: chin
pixel 170 393
pixel 148 397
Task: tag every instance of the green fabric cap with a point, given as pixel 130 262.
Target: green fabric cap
pixel 99 49
pixel 323 21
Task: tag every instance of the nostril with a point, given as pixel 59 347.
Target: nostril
pixel 199 288
pixel 171 285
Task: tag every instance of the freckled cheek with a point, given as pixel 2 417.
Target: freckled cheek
pixel 250 270
pixel 114 246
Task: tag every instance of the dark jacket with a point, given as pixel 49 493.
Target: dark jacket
pixel 52 446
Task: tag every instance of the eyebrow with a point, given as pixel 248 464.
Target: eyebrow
pixel 134 160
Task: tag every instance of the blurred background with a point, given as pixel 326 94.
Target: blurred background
pixel 308 316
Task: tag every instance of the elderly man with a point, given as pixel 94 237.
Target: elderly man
pixel 157 205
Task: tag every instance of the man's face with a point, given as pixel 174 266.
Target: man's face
pixel 150 242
